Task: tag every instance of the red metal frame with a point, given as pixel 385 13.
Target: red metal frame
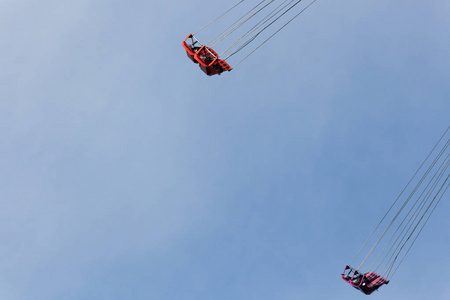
pixel 206 57
pixel 201 61
pixel 368 282
pixel 202 57
pixel 188 49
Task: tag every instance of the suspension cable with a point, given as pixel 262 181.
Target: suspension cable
pixel 425 212
pixel 411 209
pixel 401 245
pixel 236 5
pixel 393 220
pixel 398 197
pixel 270 24
pixel 267 18
pixel 265 41
pixel 232 29
pixel 420 231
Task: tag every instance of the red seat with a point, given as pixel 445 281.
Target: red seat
pixel 190 50
pixel 367 283
pixel 371 282
pixel 206 57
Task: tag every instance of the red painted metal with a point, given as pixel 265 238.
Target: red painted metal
pixel 189 50
pixel 366 283
pixel 206 57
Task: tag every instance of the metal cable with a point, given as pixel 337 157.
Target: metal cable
pixel 397 251
pixel 267 18
pixel 403 234
pixel 270 24
pixel 431 203
pixel 420 231
pixel 411 209
pixel 220 16
pixel 265 41
pixel 398 197
pixel 225 33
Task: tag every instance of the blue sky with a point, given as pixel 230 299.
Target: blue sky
pixel 129 174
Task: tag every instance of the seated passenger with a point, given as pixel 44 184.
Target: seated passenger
pixel 367 283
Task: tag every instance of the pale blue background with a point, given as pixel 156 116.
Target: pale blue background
pixel 126 173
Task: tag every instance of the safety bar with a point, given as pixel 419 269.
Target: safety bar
pixel 200 61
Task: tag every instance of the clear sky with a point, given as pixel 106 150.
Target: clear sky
pixel 127 173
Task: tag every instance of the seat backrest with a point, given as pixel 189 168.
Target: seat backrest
pixel 373 279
